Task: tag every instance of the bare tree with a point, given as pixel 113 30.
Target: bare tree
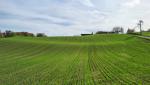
pixel 140 25
pixel 130 31
pixel 118 30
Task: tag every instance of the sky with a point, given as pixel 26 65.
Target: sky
pixel 72 17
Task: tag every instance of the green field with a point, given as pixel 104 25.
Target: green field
pixel 88 60
pixel 146 33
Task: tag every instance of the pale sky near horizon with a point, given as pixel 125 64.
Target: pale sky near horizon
pixel 72 17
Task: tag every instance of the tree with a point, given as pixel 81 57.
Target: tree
pixel 140 25
pixel 104 32
pixel 101 32
pixel 130 31
pixel 41 35
pixel 31 34
pixel 9 33
pixel 0 34
pixel 118 30
pixel 148 30
pixel 24 34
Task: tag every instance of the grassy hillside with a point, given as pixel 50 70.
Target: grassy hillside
pixel 89 60
pixel 146 33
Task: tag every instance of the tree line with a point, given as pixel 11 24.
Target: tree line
pixel 132 31
pixel 9 33
pixel 115 30
pixel 120 30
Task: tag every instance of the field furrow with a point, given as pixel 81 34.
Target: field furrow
pixel 90 60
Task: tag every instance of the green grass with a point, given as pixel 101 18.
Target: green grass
pixel 89 60
pixel 146 33
pixel 143 33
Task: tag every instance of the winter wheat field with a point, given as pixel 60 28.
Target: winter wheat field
pixel 89 60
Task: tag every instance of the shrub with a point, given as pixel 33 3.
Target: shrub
pixel 41 35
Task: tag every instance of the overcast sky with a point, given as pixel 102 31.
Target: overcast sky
pixel 72 17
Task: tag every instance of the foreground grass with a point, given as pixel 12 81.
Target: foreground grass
pixel 90 60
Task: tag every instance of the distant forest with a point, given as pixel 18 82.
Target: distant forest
pixel 9 33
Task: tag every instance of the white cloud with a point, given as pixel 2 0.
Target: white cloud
pixel 87 3
pixel 72 17
pixel 132 3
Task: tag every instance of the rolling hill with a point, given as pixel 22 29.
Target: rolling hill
pixel 89 60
